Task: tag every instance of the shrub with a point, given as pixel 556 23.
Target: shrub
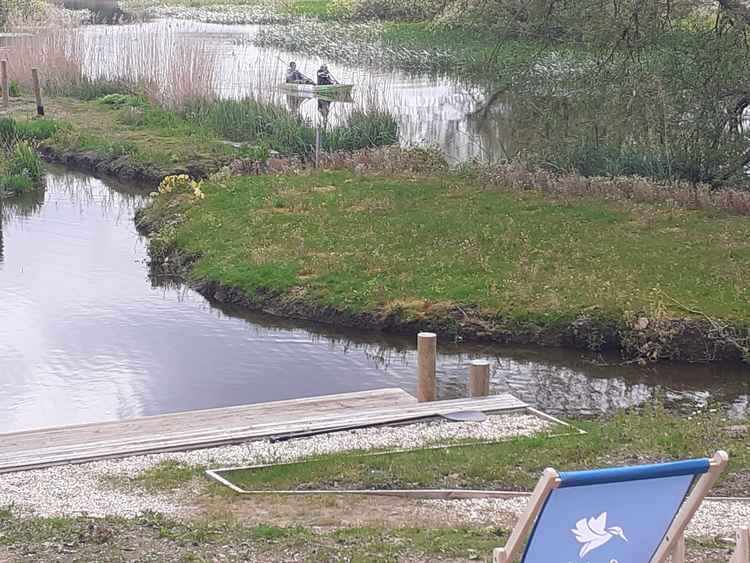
pixel 396 10
pixel 14 89
pixel 24 161
pixel 16 184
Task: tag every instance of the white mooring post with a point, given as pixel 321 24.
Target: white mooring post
pixel 426 364
pixel 479 378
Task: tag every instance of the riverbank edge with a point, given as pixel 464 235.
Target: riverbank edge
pixel 120 167
pixel 638 339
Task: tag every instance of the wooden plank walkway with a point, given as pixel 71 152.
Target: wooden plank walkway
pixel 215 427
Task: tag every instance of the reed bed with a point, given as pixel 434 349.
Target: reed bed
pixel 168 64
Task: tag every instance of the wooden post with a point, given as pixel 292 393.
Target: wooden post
pixel 37 91
pixel 742 550
pixel 4 83
pixel 426 362
pixel 317 147
pixel 479 378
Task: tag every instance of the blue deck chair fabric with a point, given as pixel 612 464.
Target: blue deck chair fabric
pixel 611 514
pixel 622 515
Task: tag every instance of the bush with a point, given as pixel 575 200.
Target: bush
pixel 16 184
pixel 394 10
pixel 24 161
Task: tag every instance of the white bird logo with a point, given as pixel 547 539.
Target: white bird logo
pixel 593 533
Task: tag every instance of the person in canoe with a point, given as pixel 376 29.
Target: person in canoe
pixel 324 77
pixel 294 76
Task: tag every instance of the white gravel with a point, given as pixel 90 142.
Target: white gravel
pixel 83 489
pixel 714 518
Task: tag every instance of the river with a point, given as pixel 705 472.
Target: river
pixel 87 336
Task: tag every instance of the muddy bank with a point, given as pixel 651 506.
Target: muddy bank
pixel 637 338
pixel 121 167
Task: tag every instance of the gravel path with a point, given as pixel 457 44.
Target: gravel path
pixel 83 489
pixel 714 518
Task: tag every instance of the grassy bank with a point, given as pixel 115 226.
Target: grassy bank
pixel 20 165
pixel 651 436
pixel 128 136
pixel 156 538
pixel 472 257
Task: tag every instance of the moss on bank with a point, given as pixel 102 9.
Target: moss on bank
pixel 470 260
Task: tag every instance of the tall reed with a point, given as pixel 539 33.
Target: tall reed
pixel 167 64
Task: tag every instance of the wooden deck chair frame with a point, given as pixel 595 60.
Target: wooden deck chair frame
pixel 674 540
pixel 742 550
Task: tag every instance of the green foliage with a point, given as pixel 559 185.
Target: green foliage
pixel 653 434
pixel 312 8
pixel 373 242
pixel 24 161
pixel 89 89
pixel 14 89
pixel 395 10
pixel 119 101
pixel 8 135
pixel 37 129
pixel 362 129
pixel 16 184
pixel 25 9
pixel 273 126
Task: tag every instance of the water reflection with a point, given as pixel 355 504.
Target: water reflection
pixel 85 336
pixel 431 110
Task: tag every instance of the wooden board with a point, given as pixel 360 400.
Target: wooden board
pixel 215 427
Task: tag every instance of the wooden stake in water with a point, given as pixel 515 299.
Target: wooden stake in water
pixel 4 83
pixel 426 367
pixel 37 91
pixel 479 378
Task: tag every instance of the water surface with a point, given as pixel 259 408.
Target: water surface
pixel 86 336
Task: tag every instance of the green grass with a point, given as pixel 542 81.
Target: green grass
pixel 155 536
pixel 275 127
pixel 471 53
pixel 384 243
pixel 628 438
pixel 311 8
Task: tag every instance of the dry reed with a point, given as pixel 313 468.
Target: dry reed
pixel 168 65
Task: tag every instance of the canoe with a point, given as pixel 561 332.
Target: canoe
pixel 322 91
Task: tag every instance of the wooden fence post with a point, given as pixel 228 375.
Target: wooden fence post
pixel 479 378
pixel 4 84
pixel 37 92
pixel 426 364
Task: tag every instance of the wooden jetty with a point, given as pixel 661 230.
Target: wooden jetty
pixel 215 427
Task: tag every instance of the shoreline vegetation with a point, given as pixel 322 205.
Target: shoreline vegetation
pixel 565 249
pixel 410 245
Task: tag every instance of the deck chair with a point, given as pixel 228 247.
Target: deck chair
pixel 742 551
pixel 620 515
